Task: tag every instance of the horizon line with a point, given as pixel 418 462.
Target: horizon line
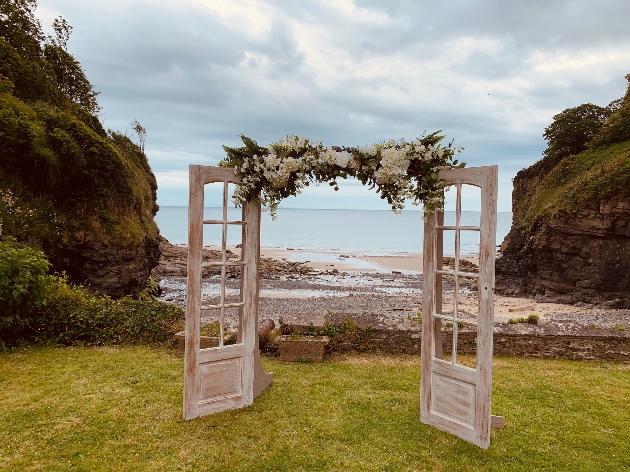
pixel 327 209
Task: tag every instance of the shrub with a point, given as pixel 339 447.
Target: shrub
pixel 71 315
pixel 35 307
pixel 531 319
pixel 22 284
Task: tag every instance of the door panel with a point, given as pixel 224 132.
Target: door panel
pixel 458 307
pixel 227 376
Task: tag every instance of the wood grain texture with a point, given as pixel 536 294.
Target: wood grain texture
pixel 251 246
pixel 221 379
pixel 224 377
pixel 251 243
pixel 193 298
pixel 218 174
pixel 487 251
pixel 428 310
pixel 454 398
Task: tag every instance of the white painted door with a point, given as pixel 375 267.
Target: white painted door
pixel 227 376
pixel 455 389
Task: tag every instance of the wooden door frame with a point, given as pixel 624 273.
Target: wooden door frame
pixel 478 432
pixel 254 379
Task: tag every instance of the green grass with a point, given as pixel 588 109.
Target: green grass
pixel 584 179
pixel 119 408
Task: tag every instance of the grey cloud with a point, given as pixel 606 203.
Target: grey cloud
pixel 184 74
pixel 532 23
pixel 281 47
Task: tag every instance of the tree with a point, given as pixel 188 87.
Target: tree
pixel 40 66
pixel 140 131
pixel 63 30
pixel 616 129
pixel 69 78
pixel 573 129
pixel 20 28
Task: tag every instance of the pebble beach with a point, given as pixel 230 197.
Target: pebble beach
pixel 316 284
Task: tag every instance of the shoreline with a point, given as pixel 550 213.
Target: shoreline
pixel 363 283
pixel 345 261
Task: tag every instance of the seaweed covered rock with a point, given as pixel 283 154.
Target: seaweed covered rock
pixel 85 196
pixel 570 235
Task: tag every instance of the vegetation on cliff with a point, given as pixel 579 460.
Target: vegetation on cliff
pixel 570 235
pixel 36 307
pixel 587 161
pixel 64 179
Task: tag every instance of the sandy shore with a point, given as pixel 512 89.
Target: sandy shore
pixel 345 261
pixel 348 261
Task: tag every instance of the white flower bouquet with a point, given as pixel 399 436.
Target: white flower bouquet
pixel 398 170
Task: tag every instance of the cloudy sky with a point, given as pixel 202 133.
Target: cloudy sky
pixel 491 74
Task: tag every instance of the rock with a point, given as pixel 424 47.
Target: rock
pixel 583 257
pixel 107 268
pixel 174 263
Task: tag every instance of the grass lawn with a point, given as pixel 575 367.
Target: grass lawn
pixel 119 408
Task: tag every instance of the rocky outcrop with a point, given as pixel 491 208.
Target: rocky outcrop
pixel 84 195
pixel 570 235
pixel 174 263
pixel 110 269
pixel 583 257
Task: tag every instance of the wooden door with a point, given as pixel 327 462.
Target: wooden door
pixel 454 397
pixel 227 376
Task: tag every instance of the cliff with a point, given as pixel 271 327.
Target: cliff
pixel 570 235
pixel 85 196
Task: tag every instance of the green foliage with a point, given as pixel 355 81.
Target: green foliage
pixel 20 28
pixel 151 290
pixel 62 172
pixel 328 329
pixel 69 78
pixel 35 307
pixel 22 285
pixel 212 329
pixel 397 170
pixel 360 338
pixel 531 319
pixel 617 128
pixel 578 171
pixel 588 178
pixel 32 58
pixel 72 315
pixel 571 131
pixel 60 163
pixel 449 325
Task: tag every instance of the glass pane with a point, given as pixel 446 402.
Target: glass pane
pixel 450 200
pixel 467 312
pixel 448 248
pixel 470 205
pixel 221 320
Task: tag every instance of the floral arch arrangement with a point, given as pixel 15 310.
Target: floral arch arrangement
pixel 398 170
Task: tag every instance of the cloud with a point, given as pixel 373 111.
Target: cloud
pixel 490 73
pixel 172 179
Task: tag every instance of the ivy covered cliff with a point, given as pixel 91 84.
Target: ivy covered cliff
pixel 570 236
pixel 84 195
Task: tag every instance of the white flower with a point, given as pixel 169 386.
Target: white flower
pixel 342 159
pixel 274 172
pixel 369 150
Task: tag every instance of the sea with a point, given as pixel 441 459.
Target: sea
pixel 370 232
